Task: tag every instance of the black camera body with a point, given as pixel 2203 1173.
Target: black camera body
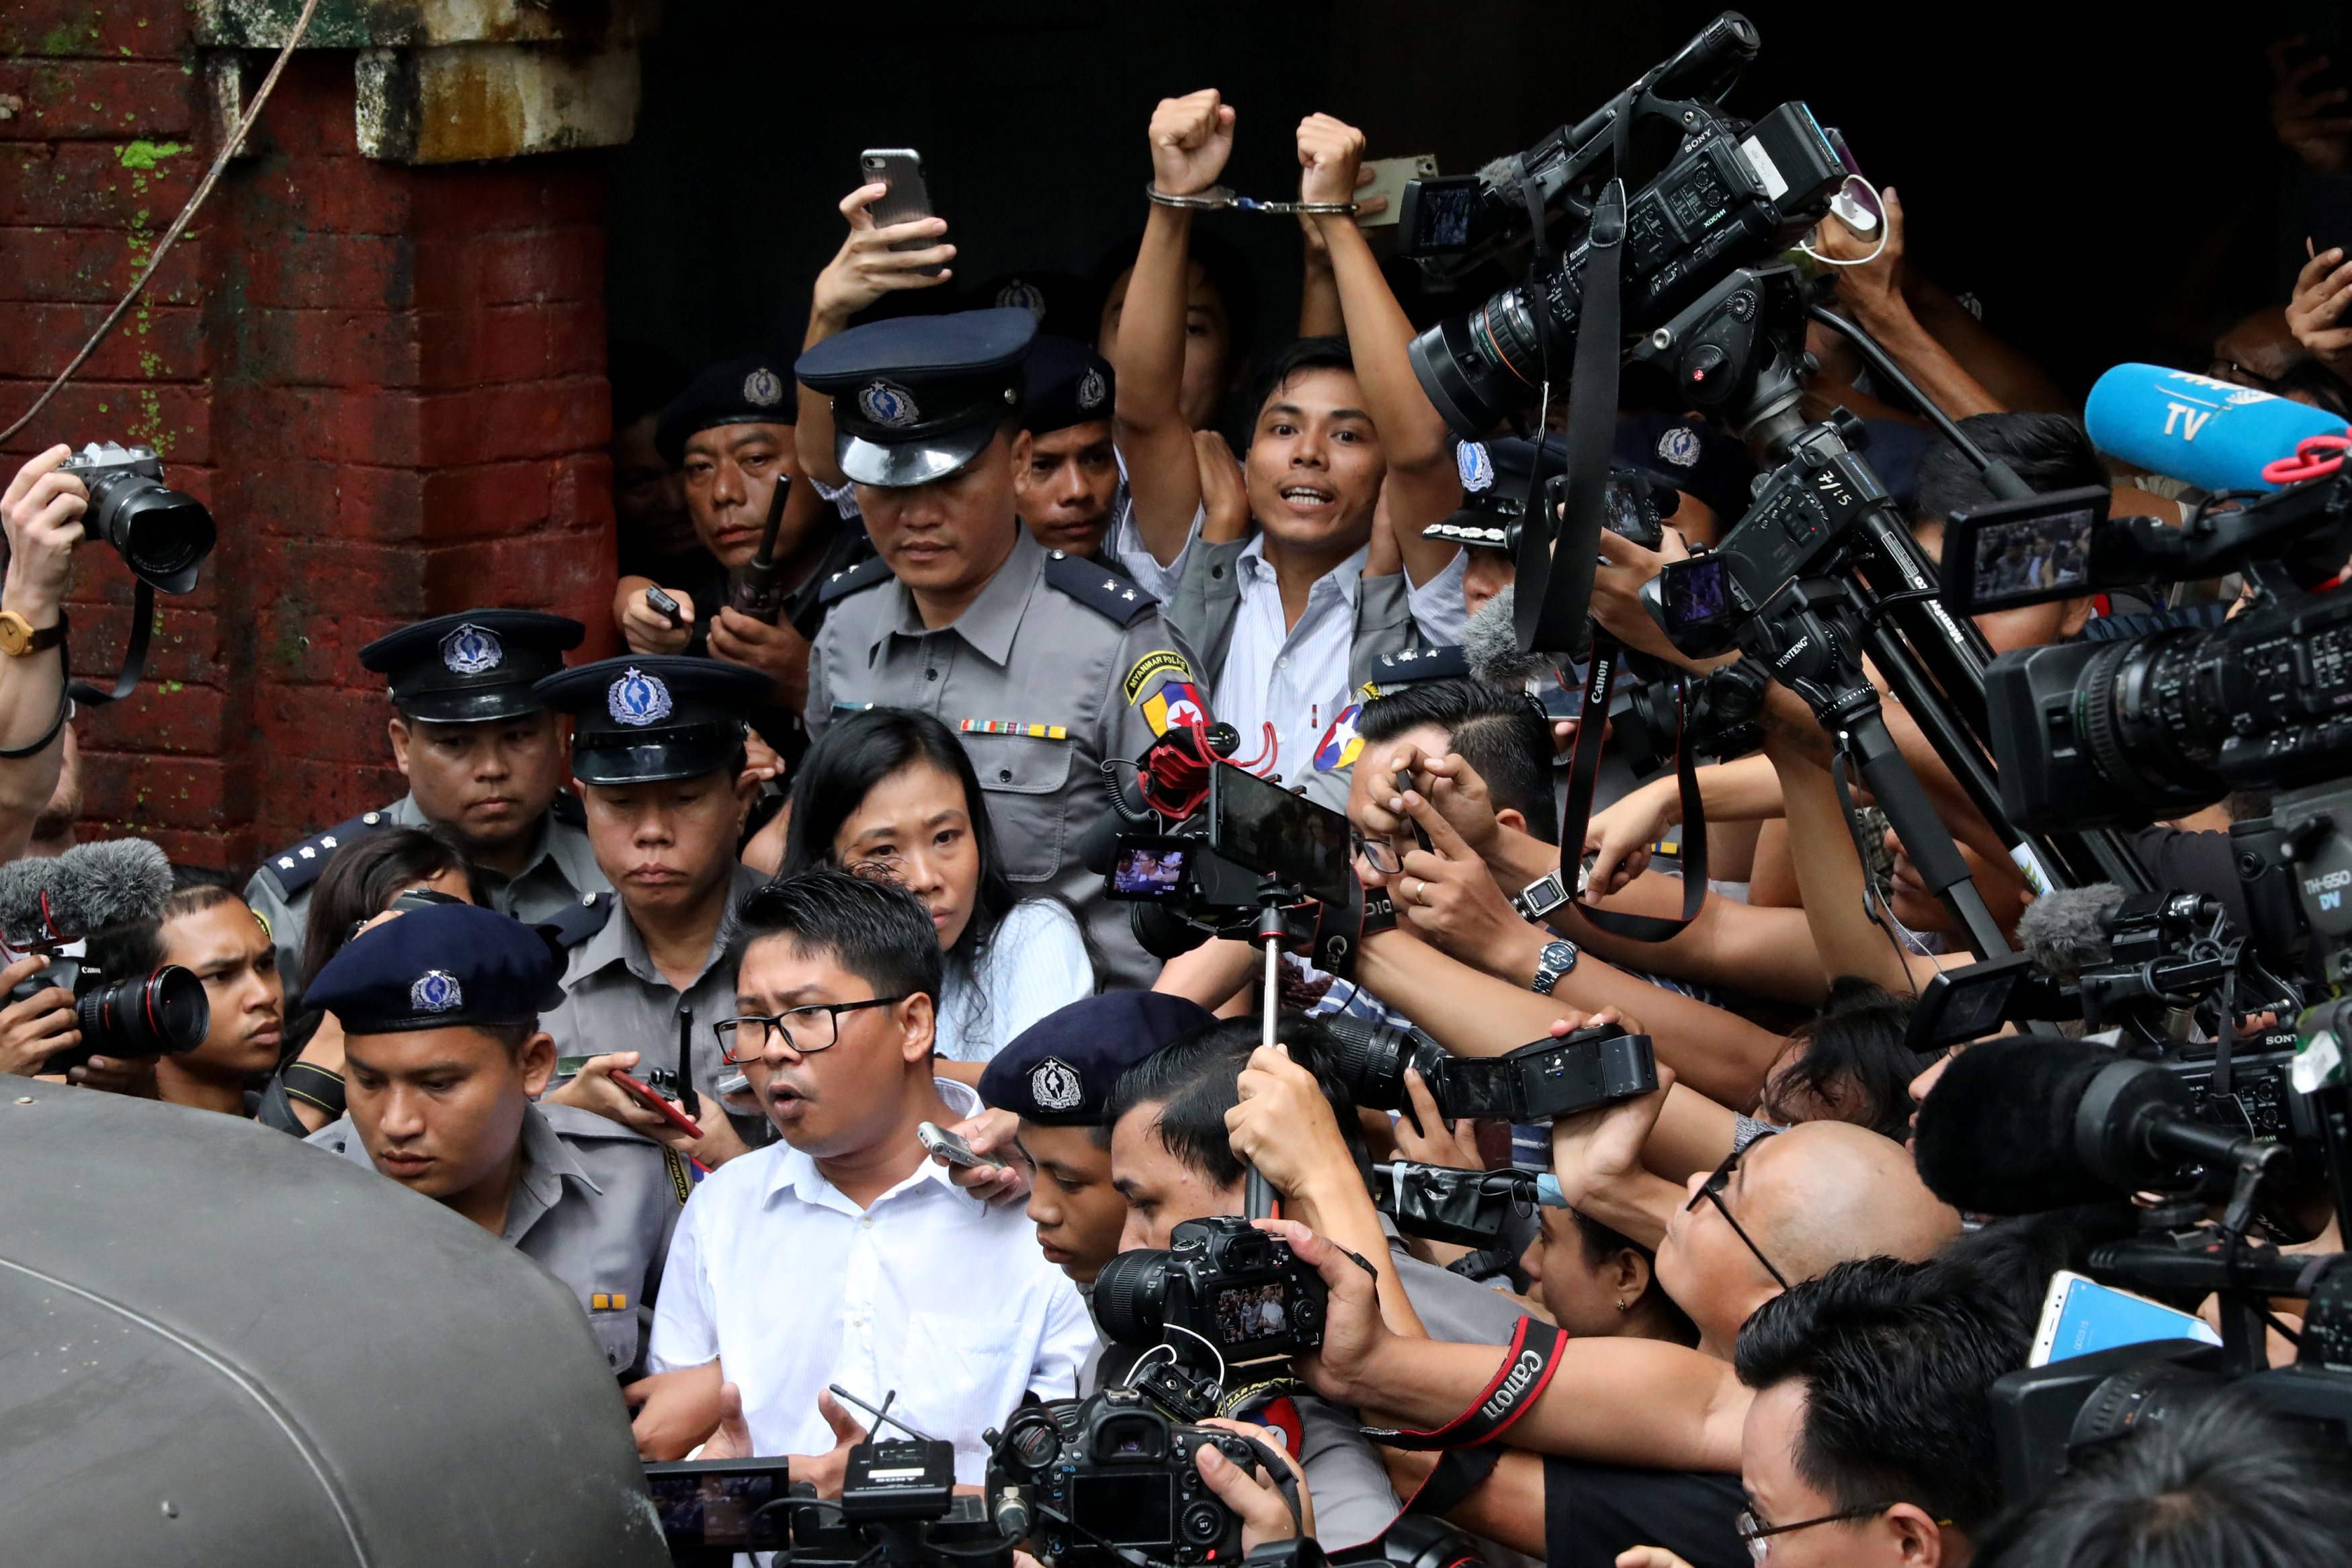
pixel 1548 1078
pixel 162 534
pixel 1113 1471
pixel 1442 1203
pixel 1223 1283
pixel 159 1014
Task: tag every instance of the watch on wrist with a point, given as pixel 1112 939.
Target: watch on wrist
pixel 1552 964
pixel 1541 896
pixel 19 638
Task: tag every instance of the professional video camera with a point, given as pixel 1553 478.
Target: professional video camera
pixel 48 904
pixel 2022 1125
pixel 1594 1066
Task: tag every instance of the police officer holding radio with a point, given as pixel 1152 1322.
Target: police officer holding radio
pixel 657 747
pixel 1046 665
pixel 484 759
pixel 440 1012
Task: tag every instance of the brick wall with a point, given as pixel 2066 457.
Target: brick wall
pixel 386 383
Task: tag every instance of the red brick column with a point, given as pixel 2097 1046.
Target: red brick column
pixel 387 382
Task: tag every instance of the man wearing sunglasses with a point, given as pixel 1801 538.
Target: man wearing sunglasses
pixel 843 1255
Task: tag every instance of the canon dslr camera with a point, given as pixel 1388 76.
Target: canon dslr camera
pixel 1223 1283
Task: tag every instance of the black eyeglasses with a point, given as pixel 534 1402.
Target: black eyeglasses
pixel 1379 854
pixel 808 1029
pixel 1757 1535
pixel 1712 1191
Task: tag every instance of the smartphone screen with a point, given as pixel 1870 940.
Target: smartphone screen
pixel 2080 1315
pixel 1268 829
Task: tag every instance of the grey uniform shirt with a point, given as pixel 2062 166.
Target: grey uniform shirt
pixel 1056 666
pixel 594 1206
pixel 561 871
pixel 615 1000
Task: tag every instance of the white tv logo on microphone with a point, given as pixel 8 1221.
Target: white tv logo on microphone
pixel 2191 419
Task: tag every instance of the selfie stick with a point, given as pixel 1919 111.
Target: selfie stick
pixel 1257 1193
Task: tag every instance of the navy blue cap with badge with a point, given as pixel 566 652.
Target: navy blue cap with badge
pixel 750 389
pixel 475 666
pixel 917 397
pixel 1064 384
pixel 1061 1070
pixel 649 717
pixel 445 965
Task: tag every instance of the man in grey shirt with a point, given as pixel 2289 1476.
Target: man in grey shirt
pixel 1046 667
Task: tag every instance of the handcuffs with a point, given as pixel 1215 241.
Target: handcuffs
pixel 1217 198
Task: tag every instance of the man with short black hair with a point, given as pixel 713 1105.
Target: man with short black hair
pixel 1064 469
pixel 443 1055
pixel 842 1254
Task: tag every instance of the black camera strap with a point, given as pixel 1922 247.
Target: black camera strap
pixel 1529 1360
pixel 1600 675
pixel 135 665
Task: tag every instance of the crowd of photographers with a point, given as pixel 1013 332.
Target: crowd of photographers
pixel 869 1028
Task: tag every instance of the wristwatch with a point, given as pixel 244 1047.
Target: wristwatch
pixel 1552 964
pixel 18 639
pixel 1541 896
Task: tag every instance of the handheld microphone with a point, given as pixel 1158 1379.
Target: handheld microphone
pixel 2034 1123
pixel 2214 435
pixel 1490 645
pixel 44 901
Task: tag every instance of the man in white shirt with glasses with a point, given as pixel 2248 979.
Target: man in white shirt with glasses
pixel 844 1254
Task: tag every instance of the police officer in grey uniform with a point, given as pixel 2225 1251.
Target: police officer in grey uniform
pixel 657 746
pixel 1045 666
pixel 485 764
pixel 440 1009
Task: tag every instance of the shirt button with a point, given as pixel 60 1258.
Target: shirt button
pixel 1283 662
pixel 931 674
pixel 1005 776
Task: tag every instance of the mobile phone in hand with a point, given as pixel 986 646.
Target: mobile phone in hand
pixel 952 1147
pixel 646 1095
pixel 663 605
pixel 909 198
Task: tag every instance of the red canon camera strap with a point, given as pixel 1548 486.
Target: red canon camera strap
pixel 1526 1372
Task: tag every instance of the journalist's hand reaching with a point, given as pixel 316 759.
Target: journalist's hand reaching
pixel 993 1133
pixel 1191 136
pixel 823 1470
pixel 1617 593
pixel 1254 1496
pixel 1330 151
pixel 593 1089
pixel 1284 1127
pixel 1450 896
pixel 41 511
pixel 762 762
pixel 131 1076
pixel 1354 1337
pixel 1649 1557
pixel 646 631
pixel 778 652
pixel 2321 291
pixel 1621 835
pixel 1435 1143
pixel 2299 116
pixel 36 1028
pixel 865 267
pixel 1597 1156
pixel 732 1440
pixel 1873 290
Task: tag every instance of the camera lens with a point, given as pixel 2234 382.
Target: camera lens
pixel 160 534
pixel 1482 367
pixel 1370 1059
pixel 1129 1295
pixel 163 1013
pixel 2144 715
pixel 2145 1396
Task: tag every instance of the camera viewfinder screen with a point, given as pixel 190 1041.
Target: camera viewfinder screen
pixel 1694 594
pixel 1133 1511
pixel 1445 214
pixel 1150 868
pixel 716 1510
pixel 1248 1314
pixel 1268 829
pixel 2033 560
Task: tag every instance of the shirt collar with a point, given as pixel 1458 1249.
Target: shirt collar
pixel 619 941
pixel 544 847
pixel 796 1172
pixel 1343 578
pixel 989 622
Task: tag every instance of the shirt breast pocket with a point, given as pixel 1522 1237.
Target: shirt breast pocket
pixel 616 1331
pixel 1025 780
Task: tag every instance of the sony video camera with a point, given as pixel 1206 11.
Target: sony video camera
pixel 1706 192
pixel 1114 1474
pixel 1549 1078
pixel 1222 1286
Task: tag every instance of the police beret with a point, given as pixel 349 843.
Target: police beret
pixel 432 967
pixel 1060 1071
pixel 1691 454
pixel 474 665
pixel 750 389
pixel 916 397
pixel 1064 384
pixel 647 718
pixel 1064 306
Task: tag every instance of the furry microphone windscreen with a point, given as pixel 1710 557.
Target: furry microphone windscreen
pixel 86 889
pixel 2064 931
pixel 1490 646
pixel 1996 1136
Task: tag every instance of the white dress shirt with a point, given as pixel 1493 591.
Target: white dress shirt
pixel 1295 677
pixel 1036 964
pixel 929 1292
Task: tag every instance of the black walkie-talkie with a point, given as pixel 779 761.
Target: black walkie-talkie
pixel 756 588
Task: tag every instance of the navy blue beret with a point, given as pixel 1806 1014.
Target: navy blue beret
pixel 1060 1071
pixel 751 389
pixel 430 968
pixel 1064 384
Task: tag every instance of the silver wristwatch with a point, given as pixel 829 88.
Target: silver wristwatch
pixel 1552 964
pixel 1541 896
